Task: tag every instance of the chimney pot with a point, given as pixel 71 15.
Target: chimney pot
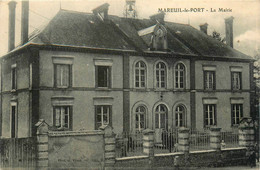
pixel 229 31
pixel 11 34
pixel 25 21
pixel 204 28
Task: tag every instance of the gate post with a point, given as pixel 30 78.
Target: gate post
pixel 148 142
pixel 215 138
pixel 246 133
pixel 183 140
pixel 110 145
pixel 42 144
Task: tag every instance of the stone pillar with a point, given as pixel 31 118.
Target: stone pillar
pixel 215 138
pixel 246 135
pixel 42 144
pixel 183 140
pixel 110 145
pixel 148 142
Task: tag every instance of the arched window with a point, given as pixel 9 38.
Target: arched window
pixel 179 76
pixel 140 113
pixel 161 75
pixel 161 117
pixel 140 74
pixel 180 116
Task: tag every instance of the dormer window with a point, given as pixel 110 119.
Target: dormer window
pixel 102 11
pixel 155 37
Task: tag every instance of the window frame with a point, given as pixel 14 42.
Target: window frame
pixel 207 117
pixel 159 113
pixel 13 77
pixel 69 75
pixel 109 76
pixel 240 80
pixel 177 113
pixel 160 76
pixel 205 72
pixel 234 122
pixel 139 68
pixel 177 76
pixel 15 130
pixel 139 129
pixel 102 114
pixel 69 109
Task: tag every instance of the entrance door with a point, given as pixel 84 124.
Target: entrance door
pixel 161 122
pixel 13 122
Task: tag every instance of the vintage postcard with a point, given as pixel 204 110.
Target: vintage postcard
pixel 136 84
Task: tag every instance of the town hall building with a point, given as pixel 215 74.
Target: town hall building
pixel 85 70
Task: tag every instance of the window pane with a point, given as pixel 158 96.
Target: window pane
pixel 103 76
pixel 156 120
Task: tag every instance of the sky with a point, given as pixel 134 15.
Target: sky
pixel 246 15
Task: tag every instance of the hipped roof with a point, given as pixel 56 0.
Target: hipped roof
pixel 81 29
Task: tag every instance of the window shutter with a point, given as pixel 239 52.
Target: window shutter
pixel 215 114
pixel 70 118
pixel 214 80
pixel 110 116
pixel 205 84
pixel 96 125
pixel 204 114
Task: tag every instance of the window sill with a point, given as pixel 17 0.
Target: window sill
pixel 13 90
pixel 162 89
pixel 209 91
pixel 103 89
pixel 236 91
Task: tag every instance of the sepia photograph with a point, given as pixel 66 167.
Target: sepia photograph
pixel 129 84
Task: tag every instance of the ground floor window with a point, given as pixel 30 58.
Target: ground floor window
pixel 210 115
pixel 236 113
pixel 103 115
pixel 161 117
pixel 180 116
pixel 62 117
pixel 13 120
pixel 140 118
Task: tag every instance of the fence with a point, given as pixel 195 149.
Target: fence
pixel 131 144
pixel 229 139
pixel 18 152
pixel 199 140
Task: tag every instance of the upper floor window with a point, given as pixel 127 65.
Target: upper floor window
pixel 62 75
pixel 140 113
pixel 140 74
pixel 103 76
pixel 179 76
pixel 62 71
pixel 13 77
pixel 236 113
pixel 103 114
pixel 161 117
pixel 209 80
pixel 62 117
pixel 180 116
pixel 210 115
pixel 161 77
pixel 236 80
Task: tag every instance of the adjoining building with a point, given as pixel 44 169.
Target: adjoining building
pixel 84 70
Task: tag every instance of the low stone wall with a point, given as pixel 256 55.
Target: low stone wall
pixel 207 158
pixel 76 149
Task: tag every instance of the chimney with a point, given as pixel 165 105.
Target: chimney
pixel 204 28
pixel 102 11
pixel 158 17
pixel 11 38
pixel 229 31
pixel 25 21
